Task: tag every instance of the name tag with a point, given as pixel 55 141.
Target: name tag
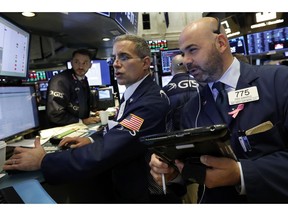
pixel 243 95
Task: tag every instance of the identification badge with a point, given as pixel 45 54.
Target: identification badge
pixel 243 95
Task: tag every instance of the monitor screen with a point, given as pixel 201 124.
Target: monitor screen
pixel 43 87
pixel 165 80
pixel 267 41
pixel 105 94
pixel 238 45
pixel 98 74
pixel 166 59
pixel 18 111
pixel 105 98
pixel 14 50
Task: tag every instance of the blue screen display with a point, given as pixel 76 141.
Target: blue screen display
pixel 98 74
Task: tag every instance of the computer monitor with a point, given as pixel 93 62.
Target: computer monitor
pixel 268 41
pixel 238 45
pixel 166 59
pixel 43 87
pixel 98 74
pixel 14 50
pixel 18 111
pixel 165 80
pixel 105 98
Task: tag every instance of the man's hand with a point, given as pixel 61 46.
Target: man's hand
pixel 158 167
pixel 221 171
pixel 74 142
pixel 26 159
pixel 91 120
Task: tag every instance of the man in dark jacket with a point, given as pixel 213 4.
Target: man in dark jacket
pixel 256 116
pixel 181 87
pixel 68 98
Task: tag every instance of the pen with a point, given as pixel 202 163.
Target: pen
pixel 163 183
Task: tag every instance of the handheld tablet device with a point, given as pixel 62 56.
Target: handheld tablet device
pixel 190 144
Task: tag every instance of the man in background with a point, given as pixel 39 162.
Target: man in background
pixel 180 88
pixel 68 99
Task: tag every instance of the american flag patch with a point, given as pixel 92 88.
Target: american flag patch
pixel 132 122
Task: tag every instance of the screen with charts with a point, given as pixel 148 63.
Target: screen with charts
pixel 238 45
pixel 18 111
pixel 98 74
pixel 14 50
pixel 267 41
pixel 166 59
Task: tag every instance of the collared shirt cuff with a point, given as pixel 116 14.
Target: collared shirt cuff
pixel 91 139
pixel 241 188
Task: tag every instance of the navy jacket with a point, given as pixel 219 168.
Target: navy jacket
pixel 179 90
pixel 265 167
pixel 68 99
pixel 119 150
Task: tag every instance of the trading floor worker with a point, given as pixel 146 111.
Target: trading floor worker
pixel 141 113
pixel 257 118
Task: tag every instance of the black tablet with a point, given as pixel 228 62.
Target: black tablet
pixel 190 144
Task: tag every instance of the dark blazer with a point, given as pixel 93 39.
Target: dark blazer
pixel 68 99
pixel 265 167
pixel 119 150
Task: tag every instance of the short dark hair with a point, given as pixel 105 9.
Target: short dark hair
pixel 82 52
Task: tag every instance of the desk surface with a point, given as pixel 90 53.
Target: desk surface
pixel 19 176
pixel 22 176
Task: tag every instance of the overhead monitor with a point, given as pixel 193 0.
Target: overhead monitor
pixel 12 122
pixel 166 59
pixel 268 41
pixel 14 50
pixel 98 74
pixel 127 20
pixel 157 45
pixel 231 26
pixel 238 45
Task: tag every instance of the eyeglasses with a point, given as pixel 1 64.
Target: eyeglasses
pixel 123 58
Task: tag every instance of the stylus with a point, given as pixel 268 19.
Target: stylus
pixel 163 183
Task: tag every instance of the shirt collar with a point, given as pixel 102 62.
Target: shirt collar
pixel 131 89
pixel 231 75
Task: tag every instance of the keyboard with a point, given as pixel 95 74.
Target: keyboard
pixel 69 133
pixel 9 195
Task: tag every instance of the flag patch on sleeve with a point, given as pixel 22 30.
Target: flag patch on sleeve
pixel 132 122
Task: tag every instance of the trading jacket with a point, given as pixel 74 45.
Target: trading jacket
pixel 68 98
pixel 180 88
pixel 265 164
pixel 119 150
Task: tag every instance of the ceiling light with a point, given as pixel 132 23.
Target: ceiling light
pixel 28 14
pixel 106 39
